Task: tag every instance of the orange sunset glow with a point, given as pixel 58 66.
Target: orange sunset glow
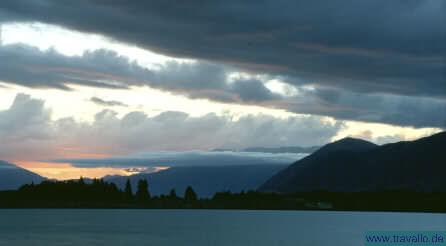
pixel 65 171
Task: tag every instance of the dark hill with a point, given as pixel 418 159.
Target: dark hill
pixel 12 176
pixel 357 165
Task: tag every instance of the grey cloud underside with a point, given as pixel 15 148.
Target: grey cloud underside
pixel 193 158
pixel 31 67
pixel 382 108
pixel 110 103
pixel 28 66
pixel 383 46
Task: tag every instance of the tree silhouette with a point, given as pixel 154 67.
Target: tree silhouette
pixel 142 194
pixel 173 194
pixel 99 194
pixel 128 190
pixel 190 195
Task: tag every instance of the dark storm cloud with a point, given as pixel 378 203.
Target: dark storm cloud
pixel 253 90
pixel 197 76
pixel 382 108
pixel 31 67
pixel 365 46
pixel 110 103
pixel 28 66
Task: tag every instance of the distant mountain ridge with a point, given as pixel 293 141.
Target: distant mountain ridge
pixel 12 176
pixel 357 165
pixel 286 149
pixel 206 180
pixel 275 150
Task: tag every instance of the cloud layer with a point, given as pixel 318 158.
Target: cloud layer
pixel 110 103
pixel 364 46
pixel 31 67
pixel 191 158
pixel 28 133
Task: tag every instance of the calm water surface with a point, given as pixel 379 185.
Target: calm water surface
pixel 202 227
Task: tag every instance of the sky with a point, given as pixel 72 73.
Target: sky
pixel 105 79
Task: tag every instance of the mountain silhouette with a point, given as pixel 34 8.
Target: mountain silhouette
pixel 351 165
pixel 273 150
pixel 287 149
pixel 12 176
pixel 206 180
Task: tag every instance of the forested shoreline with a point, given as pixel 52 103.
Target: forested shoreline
pixel 100 194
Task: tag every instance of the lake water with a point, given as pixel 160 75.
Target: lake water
pixel 202 227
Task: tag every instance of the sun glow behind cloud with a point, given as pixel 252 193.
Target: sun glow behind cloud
pixel 73 43
pixel 75 103
pixel 65 171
